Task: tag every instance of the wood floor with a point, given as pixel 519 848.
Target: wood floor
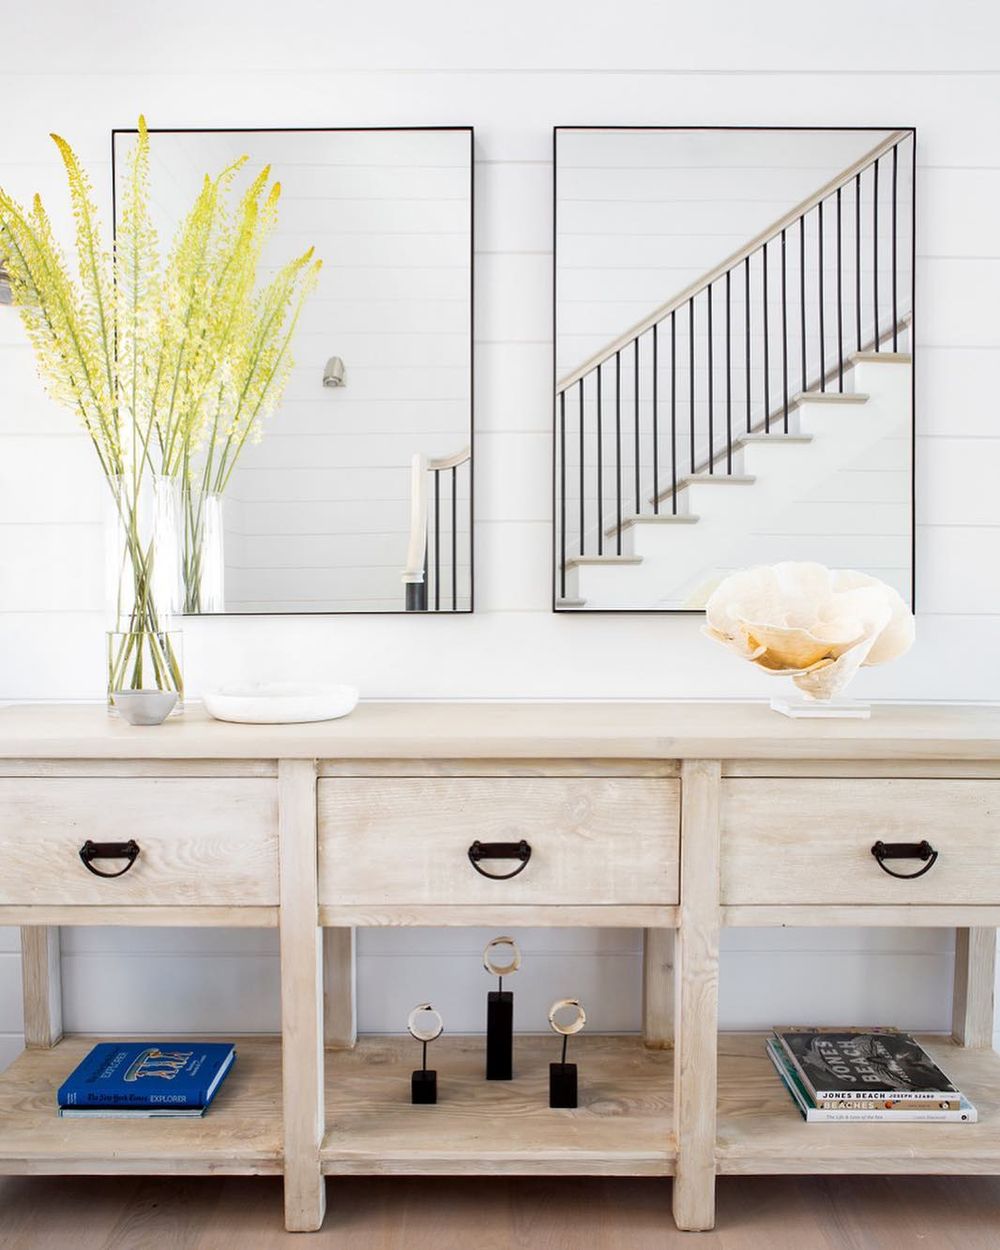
pixel 393 1213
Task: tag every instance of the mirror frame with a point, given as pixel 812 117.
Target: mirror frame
pixel 553 399
pixel 251 130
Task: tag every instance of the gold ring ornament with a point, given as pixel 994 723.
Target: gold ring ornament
pixel 432 1028
pixel 497 969
pixel 575 1024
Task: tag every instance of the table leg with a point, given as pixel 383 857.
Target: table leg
pixel 301 997
pixel 42 985
pixel 975 978
pixel 340 988
pixel 697 998
pixel 658 988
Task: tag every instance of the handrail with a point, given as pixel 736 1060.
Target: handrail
pixel 450 462
pixel 738 257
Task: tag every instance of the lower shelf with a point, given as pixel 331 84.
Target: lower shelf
pixel 241 1134
pixel 623 1126
pixel 760 1131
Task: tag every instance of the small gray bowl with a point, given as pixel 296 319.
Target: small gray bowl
pixel 144 707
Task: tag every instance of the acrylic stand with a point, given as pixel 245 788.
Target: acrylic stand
pixel 800 707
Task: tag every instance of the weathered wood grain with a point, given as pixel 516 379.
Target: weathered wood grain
pixel 406 841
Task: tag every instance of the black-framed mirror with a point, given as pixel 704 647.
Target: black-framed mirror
pixel 357 496
pixel 733 331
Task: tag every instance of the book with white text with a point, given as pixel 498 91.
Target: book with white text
pixel 881 1068
pixel 965 1113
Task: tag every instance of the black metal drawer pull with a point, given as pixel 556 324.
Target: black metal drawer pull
pixel 109 850
pixel 499 850
pixel 905 850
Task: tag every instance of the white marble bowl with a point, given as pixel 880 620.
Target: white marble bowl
pixel 280 702
pixel 144 707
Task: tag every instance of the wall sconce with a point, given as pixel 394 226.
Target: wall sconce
pixel 334 373
pixel 6 294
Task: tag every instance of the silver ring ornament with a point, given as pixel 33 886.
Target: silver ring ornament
pixel 502 970
pixel 431 1031
pixel 575 1025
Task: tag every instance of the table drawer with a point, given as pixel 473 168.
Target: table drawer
pixel 810 840
pixel 592 840
pixel 200 841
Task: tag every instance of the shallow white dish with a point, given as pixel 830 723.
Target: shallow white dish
pixel 279 702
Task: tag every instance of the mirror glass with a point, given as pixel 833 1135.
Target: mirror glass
pixel 734 378
pixel 356 495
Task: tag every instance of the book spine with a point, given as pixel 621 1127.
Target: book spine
pixel 886 1102
pixel 84 1098
pixel 798 1097
pixel 820 1116
pixel 793 1063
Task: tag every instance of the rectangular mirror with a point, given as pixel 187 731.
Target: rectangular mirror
pixel 734 358
pixel 356 493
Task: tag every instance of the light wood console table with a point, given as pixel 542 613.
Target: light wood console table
pixel 674 818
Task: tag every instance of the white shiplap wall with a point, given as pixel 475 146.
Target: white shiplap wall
pixel 513 75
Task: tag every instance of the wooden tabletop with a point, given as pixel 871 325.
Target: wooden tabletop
pixel 563 730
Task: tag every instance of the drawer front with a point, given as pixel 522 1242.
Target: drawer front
pixel 209 841
pixel 809 840
pixel 593 840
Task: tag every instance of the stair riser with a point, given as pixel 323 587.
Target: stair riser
pixel 886 381
pixel 762 459
pixel 716 502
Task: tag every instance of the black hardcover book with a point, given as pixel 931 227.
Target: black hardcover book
pixel 865 1064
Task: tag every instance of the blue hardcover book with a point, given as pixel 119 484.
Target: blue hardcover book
pixel 146 1078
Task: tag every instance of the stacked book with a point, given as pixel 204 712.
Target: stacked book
pixel 864 1074
pixel 136 1080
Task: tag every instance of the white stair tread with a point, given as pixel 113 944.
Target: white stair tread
pixel 661 518
pixel 827 397
pixel 882 358
pixel 577 561
pixel 772 438
pixel 708 479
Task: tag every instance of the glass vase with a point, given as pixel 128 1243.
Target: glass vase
pixel 203 558
pixel 145 659
pixel 143 587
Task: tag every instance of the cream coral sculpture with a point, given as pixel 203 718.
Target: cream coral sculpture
pixel 813 624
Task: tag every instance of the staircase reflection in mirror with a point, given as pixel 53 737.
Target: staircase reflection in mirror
pixel 734 358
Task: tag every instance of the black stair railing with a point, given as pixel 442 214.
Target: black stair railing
pixel 436 577
pixel 701 327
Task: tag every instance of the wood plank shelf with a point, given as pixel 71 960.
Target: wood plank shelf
pixel 623 1126
pixel 239 1135
pixel 760 1131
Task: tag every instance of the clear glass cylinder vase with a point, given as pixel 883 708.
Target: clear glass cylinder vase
pixel 142 535
pixel 203 559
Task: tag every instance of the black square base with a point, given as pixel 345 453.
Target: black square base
pixel 562 1085
pixel 499 1035
pixel 424 1087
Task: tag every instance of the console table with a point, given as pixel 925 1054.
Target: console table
pixel 673 818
